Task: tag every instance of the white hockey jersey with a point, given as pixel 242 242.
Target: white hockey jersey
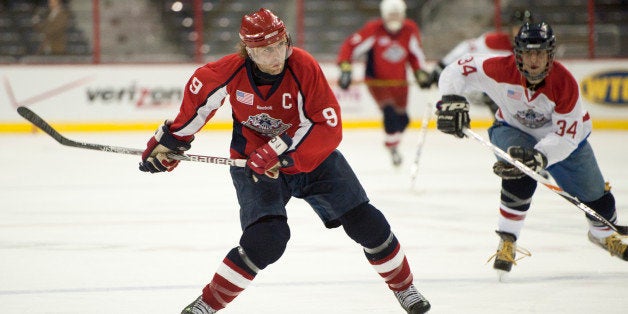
pixel 554 113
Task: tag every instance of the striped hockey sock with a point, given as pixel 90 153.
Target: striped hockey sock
pixel 231 278
pixel 390 262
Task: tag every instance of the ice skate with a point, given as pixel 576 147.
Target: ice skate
pixel 412 301
pixel 396 157
pixel 198 307
pixel 506 253
pixel 613 244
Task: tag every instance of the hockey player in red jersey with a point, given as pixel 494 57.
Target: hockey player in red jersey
pixel 278 90
pixel 541 122
pixel 494 43
pixel 390 43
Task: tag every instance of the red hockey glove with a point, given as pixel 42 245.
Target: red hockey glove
pixel 155 158
pixel 265 160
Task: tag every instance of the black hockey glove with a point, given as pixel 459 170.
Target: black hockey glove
pixel 345 75
pixel 530 157
pixel 423 79
pixel 435 75
pixel 154 158
pixel 452 115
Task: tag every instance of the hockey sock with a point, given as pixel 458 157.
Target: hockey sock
pixel 391 263
pixel 392 140
pixel 605 206
pixel 265 240
pixel 231 278
pixel 510 220
pixel 394 121
pixel 516 197
pixel 367 226
pixel 261 244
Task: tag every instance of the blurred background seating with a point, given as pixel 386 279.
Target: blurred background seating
pixel 164 30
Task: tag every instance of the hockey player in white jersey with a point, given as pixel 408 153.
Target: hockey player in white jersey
pixel 493 43
pixel 542 122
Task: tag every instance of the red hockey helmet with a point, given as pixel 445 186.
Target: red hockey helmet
pixel 261 28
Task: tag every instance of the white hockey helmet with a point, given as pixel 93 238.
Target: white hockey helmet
pixel 393 13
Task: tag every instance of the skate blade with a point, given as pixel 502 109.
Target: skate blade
pixel 502 275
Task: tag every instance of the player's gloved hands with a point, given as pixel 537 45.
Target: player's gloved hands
pixel 423 79
pixel 530 157
pixel 154 158
pixel 452 115
pixel 266 161
pixel 435 75
pixel 345 75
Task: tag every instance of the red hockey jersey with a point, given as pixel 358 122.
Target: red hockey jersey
pixel 387 54
pixel 299 103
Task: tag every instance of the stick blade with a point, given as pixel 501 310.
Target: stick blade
pixel 25 113
pixel 623 230
pixel 37 121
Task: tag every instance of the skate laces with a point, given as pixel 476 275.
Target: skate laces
pixel 615 245
pixel 507 252
pixel 409 297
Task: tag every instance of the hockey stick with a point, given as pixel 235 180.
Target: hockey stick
pixel 623 230
pixel 44 126
pixel 414 169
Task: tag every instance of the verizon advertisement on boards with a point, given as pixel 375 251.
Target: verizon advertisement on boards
pixel 141 96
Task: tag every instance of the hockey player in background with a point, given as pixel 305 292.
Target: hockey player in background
pixel 494 42
pixel 279 91
pixel 390 43
pixel 542 122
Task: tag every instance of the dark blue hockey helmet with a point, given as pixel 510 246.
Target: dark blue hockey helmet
pixel 535 36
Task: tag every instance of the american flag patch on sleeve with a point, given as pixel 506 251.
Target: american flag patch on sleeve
pixel 514 94
pixel 244 97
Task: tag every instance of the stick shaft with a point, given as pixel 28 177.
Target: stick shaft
pixel 546 182
pixel 48 129
pixel 414 169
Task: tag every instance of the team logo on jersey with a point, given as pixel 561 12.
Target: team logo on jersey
pixel 244 97
pixel 264 124
pixel 384 41
pixel 609 88
pixel 394 53
pixel 531 119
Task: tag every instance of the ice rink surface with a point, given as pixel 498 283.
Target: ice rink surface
pixel 86 232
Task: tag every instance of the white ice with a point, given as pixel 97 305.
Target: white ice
pixel 85 232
